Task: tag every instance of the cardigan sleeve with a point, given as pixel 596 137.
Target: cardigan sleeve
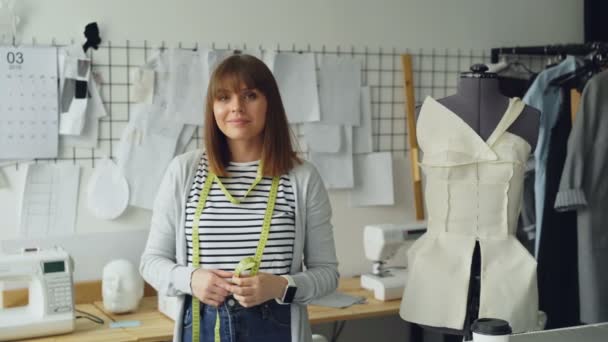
pixel 158 262
pixel 571 195
pixel 321 274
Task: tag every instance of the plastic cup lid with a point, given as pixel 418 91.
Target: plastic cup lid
pixel 491 326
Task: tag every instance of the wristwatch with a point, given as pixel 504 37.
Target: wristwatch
pixel 290 291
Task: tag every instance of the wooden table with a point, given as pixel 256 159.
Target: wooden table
pixel 154 325
pixel 351 286
pixel 89 331
pixel 157 327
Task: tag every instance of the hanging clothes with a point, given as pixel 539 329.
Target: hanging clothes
pixel 473 193
pixel 526 225
pixel 584 188
pixel 548 100
pixel 558 292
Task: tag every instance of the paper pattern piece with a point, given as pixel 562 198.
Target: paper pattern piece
pixel 340 90
pixel 336 169
pixel 184 138
pixel 142 88
pixel 107 191
pixel 297 80
pixel 8 22
pixel 338 300
pixel 143 158
pixel 28 103
pixel 149 141
pixel 75 72
pixel 268 57
pixel 373 180
pixel 50 200
pixel 90 132
pixel 187 88
pixel 322 138
pixel 3 180
pixel 362 135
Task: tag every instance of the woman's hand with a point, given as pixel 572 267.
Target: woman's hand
pixel 210 287
pixel 254 290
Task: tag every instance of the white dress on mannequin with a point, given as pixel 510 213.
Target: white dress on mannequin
pixel 473 194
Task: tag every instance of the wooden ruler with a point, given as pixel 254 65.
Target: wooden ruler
pixel 410 115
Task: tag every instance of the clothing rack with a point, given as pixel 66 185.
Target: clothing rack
pixel 549 50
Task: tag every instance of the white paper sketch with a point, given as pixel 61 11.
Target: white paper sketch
pixel 3 180
pixel 268 57
pixel 8 22
pixel 50 200
pixel 72 121
pixel 322 138
pixel 107 191
pixel 373 180
pixel 142 88
pixel 143 158
pixel 362 135
pixel 75 73
pixel 28 102
pixel 184 138
pixel 340 90
pixel 336 169
pixel 90 132
pixel 149 141
pixel 187 87
pixel 296 76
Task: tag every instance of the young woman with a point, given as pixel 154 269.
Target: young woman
pixel 246 202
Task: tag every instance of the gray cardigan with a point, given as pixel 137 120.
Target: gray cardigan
pixel 164 261
pixel 584 188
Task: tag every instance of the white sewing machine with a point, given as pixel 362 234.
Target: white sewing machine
pixel 381 242
pixel 51 301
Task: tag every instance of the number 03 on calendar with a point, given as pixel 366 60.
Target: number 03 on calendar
pixel 28 102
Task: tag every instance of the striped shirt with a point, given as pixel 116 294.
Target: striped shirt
pixel 230 232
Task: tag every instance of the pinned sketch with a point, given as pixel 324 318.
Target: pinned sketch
pixel 373 180
pixel 340 90
pixel 215 57
pixel 107 191
pixel 3 180
pixel 142 88
pixel 268 57
pixel 362 135
pixel 187 86
pixel 74 71
pixel 90 131
pixel 143 158
pixel 322 138
pixel 50 199
pixel 149 141
pixel 336 169
pixel 296 76
pixel 28 102
pixel 184 138
pixel 8 21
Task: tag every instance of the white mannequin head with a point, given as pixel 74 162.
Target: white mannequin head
pixel 122 286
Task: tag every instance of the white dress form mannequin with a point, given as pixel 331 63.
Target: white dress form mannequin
pixel 479 103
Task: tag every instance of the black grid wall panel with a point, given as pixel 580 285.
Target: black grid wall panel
pixel 435 74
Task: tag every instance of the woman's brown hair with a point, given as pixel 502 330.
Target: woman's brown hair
pixel 278 155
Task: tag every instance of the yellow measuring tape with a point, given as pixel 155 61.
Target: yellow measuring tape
pixel 249 263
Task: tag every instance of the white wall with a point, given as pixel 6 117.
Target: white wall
pixel 388 24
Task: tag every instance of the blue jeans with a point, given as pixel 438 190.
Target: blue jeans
pixel 268 322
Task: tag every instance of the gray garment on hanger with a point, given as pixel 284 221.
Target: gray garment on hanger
pixel 526 225
pixel 584 187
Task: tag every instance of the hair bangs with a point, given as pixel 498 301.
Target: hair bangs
pixel 229 78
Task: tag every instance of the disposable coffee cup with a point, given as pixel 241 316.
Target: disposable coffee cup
pixel 491 330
